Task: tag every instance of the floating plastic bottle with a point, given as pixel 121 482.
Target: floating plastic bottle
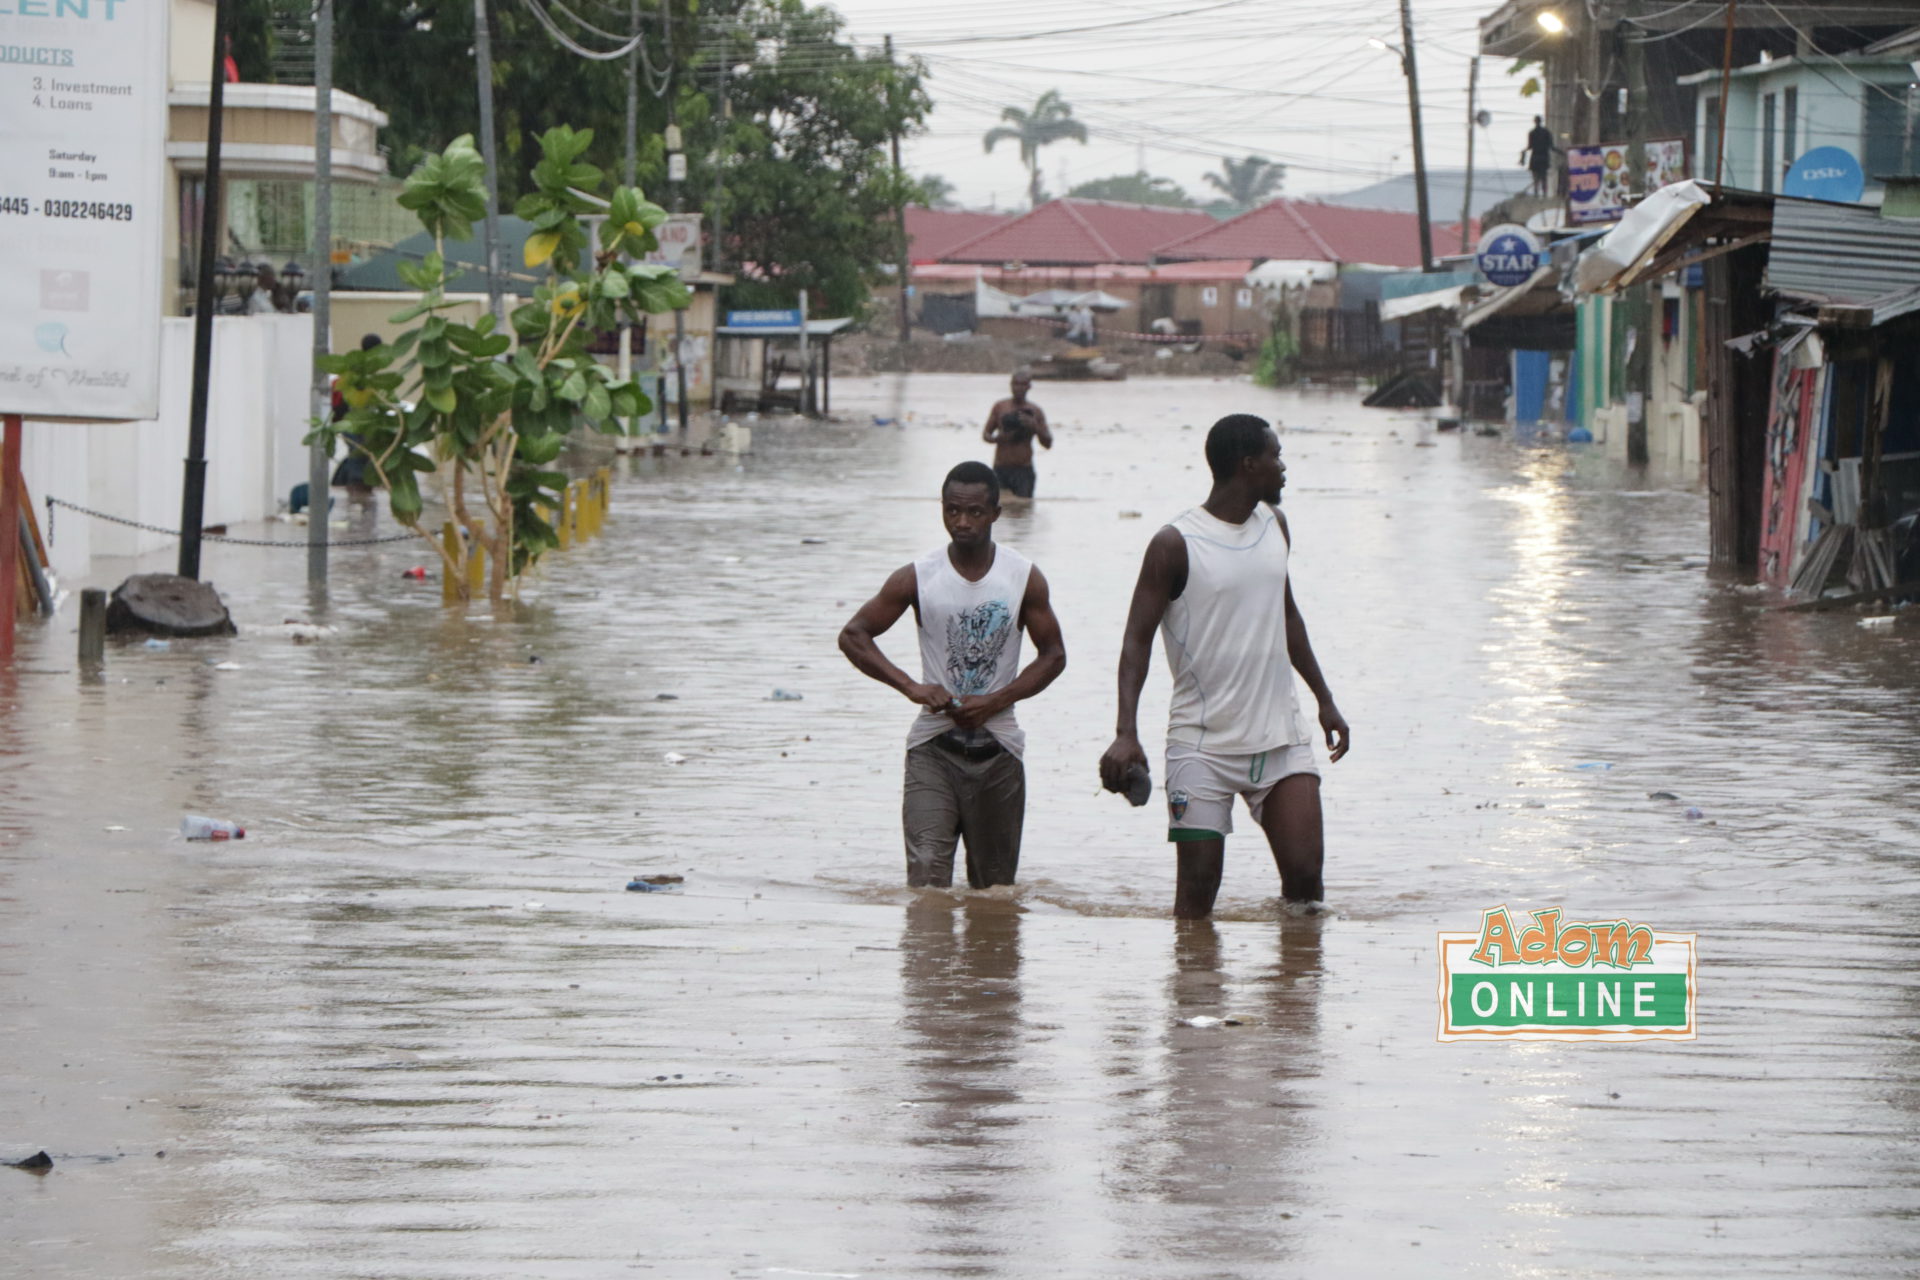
pixel 195 827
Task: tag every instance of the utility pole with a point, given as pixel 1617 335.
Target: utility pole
pixel 900 210
pixel 319 457
pixel 633 93
pixel 716 214
pixel 1639 298
pixel 1726 89
pixel 1411 65
pixel 676 174
pixel 193 493
pixel 490 235
pixel 624 368
pixel 1466 202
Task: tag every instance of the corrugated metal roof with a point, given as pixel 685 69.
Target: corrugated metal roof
pixel 1841 253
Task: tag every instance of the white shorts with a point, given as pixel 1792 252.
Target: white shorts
pixel 1201 785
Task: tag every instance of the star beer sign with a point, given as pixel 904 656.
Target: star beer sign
pixel 1509 255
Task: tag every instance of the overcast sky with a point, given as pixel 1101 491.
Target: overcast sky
pixel 1177 84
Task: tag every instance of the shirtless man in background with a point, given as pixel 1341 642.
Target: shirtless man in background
pixel 1013 424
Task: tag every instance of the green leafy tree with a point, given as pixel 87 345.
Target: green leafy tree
pixel 493 410
pixel 790 164
pixel 1248 183
pixel 414 60
pixel 1050 120
pixel 1135 188
pixel 805 191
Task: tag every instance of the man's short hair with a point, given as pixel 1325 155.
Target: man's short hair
pixel 1234 438
pixel 974 473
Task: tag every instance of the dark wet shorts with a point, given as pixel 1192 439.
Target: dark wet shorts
pixel 1017 481
pixel 950 797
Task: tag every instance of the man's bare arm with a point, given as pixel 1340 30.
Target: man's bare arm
pixel 1163 575
pixel 1049 659
pixel 1300 652
pixel 874 619
pixel 992 432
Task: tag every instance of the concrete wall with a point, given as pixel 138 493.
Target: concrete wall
pixel 354 314
pixel 1672 411
pixel 1221 306
pixel 257 415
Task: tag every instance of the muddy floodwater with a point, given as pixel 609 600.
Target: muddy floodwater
pixel 414 1026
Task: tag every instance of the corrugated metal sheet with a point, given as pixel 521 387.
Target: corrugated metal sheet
pixel 1841 253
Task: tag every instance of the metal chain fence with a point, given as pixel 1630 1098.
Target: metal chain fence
pixel 300 544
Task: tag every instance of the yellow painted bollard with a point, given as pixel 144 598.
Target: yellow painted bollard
pixel 450 583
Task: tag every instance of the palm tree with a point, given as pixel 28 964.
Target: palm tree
pixel 1051 120
pixel 1248 182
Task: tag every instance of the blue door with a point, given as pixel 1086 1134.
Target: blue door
pixel 1530 369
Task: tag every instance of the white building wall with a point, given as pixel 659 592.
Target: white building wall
pixel 257 415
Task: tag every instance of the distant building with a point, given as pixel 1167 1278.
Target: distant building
pixel 1289 230
pixel 266 157
pixel 1071 232
pixel 1781 108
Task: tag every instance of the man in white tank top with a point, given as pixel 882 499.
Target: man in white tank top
pixel 972 598
pixel 1215 584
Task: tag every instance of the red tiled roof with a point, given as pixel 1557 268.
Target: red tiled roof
pixel 1084 277
pixel 1307 231
pixel 1070 232
pixel 931 232
pixel 1214 269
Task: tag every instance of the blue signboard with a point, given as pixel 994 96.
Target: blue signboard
pixel 764 319
pixel 1509 255
pixel 1826 173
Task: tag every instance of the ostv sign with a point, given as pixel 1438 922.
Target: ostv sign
pixel 1509 255
pixel 1826 173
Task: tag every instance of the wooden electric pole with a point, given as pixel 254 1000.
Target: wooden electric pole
pixel 1411 65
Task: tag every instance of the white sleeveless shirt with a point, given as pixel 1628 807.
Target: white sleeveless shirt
pixel 970 637
pixel 1226 638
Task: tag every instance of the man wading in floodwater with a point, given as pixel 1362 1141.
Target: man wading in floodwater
pixel 972 599
pixel 1013 424
pixel 1215 583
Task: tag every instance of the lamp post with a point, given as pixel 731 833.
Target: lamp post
pixel 1410 67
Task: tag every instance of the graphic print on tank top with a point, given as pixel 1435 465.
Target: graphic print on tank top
pixel 975 640
pixel 970 640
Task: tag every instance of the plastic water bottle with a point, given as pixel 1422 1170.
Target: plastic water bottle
pixel 195 827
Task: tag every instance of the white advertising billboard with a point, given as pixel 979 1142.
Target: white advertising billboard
pixel 83 128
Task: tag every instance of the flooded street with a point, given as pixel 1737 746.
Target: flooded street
pixel 414 1026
